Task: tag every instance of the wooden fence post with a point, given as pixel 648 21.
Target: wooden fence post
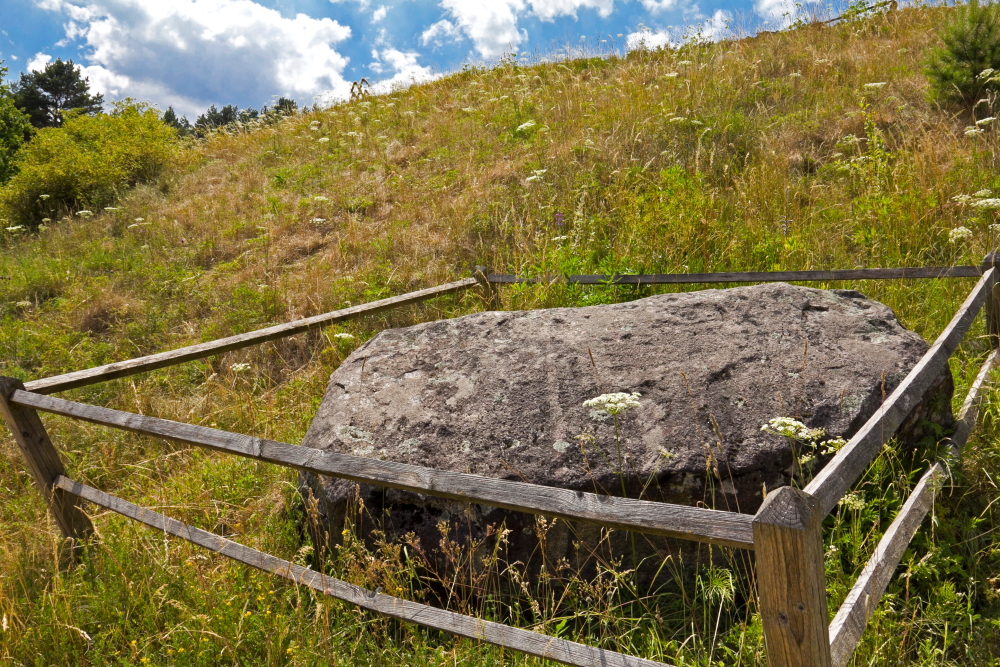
pixel 43 462
pixel 791 586
pixel 992 305
pixel 492 293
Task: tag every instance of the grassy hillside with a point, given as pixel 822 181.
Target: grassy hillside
pixel 817 147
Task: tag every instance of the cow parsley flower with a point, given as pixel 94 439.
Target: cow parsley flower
pixel 15 228
pixel 852 501
pixel 44 197
pixel 792 428
pixel 318 221
pixel 959 234
pixel 320 198
pixel 875 85
pixel 323 140
pixel 986 204
pixel 343 336
pixel 985 192
pixel 983 122
pixel 239 367
pixel 527 125
pixel 85 214
pixel 972 131
pixel 614 404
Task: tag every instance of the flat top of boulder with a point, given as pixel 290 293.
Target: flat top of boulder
pixel 502 393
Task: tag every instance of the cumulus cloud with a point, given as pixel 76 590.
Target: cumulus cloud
pixel 441 32
pixel 493 26
pixel 38 62
pixel 379 14
pixel 192 53
pixel 405 67
pixel 711 29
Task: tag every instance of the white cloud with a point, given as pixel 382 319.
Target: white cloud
pixel 407 71
pixel 493 26
pixel 379 14
pixel 781 13
pixel 658 6
pixel 441 32
pixel 648 39
pixel 38 62
pixel 192 53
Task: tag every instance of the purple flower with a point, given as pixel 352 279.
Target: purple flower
pixel 559 219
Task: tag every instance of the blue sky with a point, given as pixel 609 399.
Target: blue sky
pixel 192 53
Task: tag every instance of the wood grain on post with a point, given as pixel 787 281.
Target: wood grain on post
pixel 837 477
pixel 43 462
pixel 524 641
pixel 991 261
pixel 693 523
pixel 163 359
pixel 788 540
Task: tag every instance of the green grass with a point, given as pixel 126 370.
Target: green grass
pixel 412 189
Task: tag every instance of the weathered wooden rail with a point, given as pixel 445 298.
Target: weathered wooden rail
pixel 786 533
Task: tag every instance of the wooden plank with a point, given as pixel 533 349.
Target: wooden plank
pixel 861 602
pixel 523 641
pixel 834 480
pixel 43 461
pixel 163 359
pixel 693 523
pixel 788 538
pixel 753 276
pixel 992 304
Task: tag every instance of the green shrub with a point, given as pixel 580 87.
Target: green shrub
pixel 87 163
pixel 963 69
pixel 14 126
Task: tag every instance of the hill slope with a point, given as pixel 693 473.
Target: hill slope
pixel 812 148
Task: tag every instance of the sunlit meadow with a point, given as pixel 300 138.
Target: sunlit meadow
pixel 816 147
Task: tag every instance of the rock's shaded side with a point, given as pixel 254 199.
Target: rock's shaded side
pixel 501 394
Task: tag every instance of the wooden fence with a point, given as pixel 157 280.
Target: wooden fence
pixel 785 534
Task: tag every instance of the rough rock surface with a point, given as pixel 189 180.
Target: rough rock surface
pixel 501 394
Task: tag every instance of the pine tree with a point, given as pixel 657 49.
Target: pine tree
pixel 969 63
pixel 182 124
pixel 61 86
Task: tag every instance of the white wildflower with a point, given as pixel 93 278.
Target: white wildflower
pixel 795 75
pixel 995 228
pixel 343 336
pixel 560 238
pixel 875 85
pixel 983 122
pixel 140 219
pixel 536 175
pixel 959 234
pixel 986 204
pixel 670 75
pixel 15 228
pixel 85 214
pixel 962 199
pixel 323 140
pixel 792 428
pixel 239 367
pixel 852 501
pixel 527 125
pixel 685 62
pixel 986 192
pixel 23 304
pixel 44 197
pixel 320 198
pixel 986 73
pixel 972 131
pixel 833 445
pixel 46 220
pixel 111 208
pixel 469 109
pixel 677 119
pixel 615 403
pixel 352 134
pixel 318 221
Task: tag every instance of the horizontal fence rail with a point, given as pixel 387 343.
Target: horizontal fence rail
pixel 680 521
pixel 524 641
pixel 852 617
pixel 163 359
pixel 747 276
pixel 837 476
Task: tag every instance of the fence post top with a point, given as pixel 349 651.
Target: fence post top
pixel 8 386
pixel 991 260
pixel 789 508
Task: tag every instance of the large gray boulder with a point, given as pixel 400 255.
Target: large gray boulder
pixel 501 394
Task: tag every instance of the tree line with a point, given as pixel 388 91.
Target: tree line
pixel 47 97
